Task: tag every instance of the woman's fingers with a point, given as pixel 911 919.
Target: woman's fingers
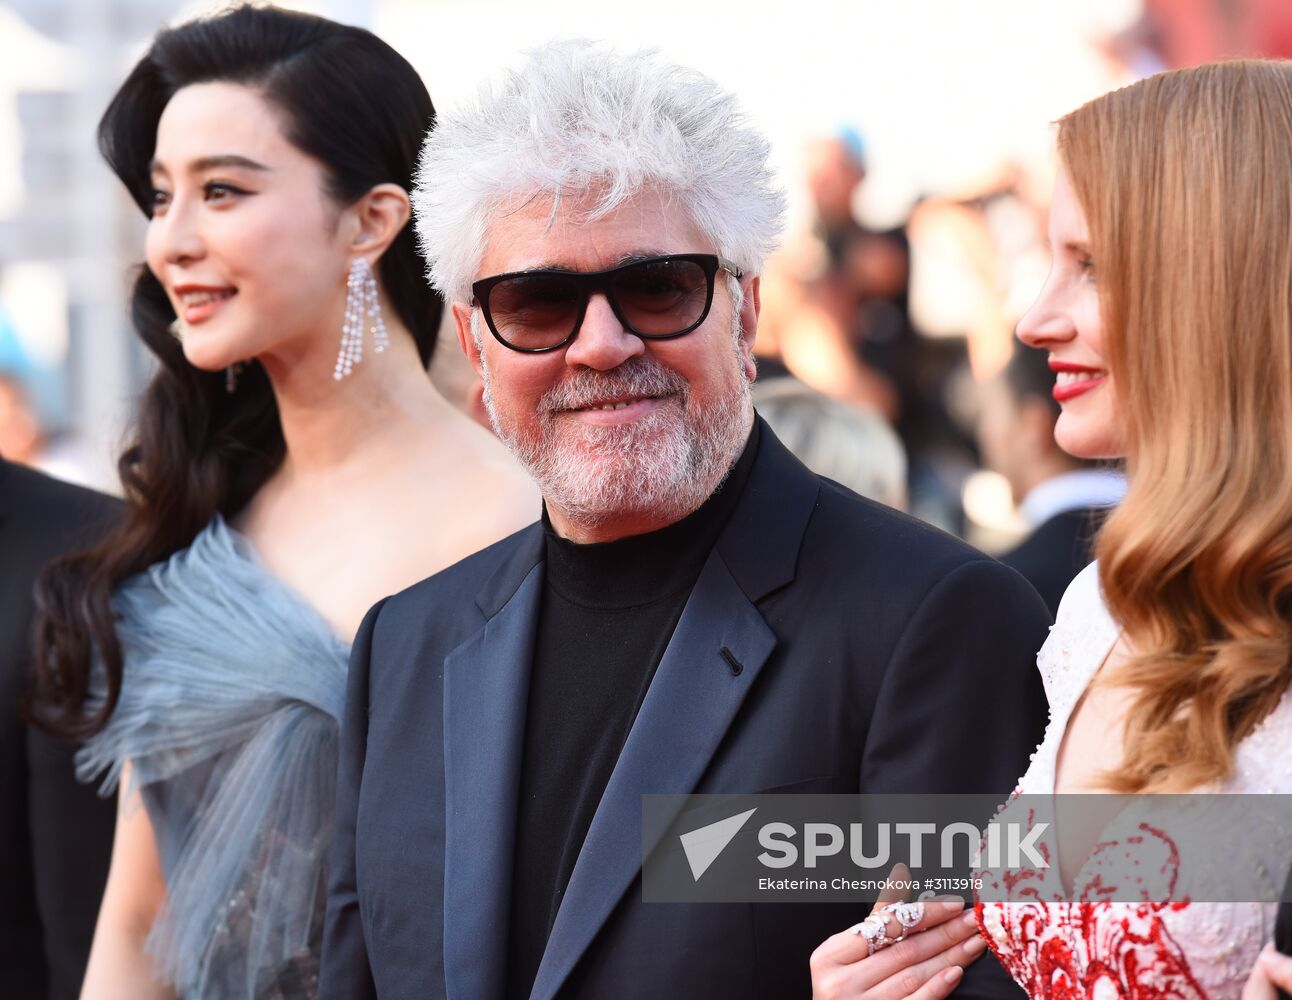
pixel 932 977
pixel 905 956
pixel 849 946
pixel 1272 972
pixel 940 986
pixel 894 890
pixel 922 962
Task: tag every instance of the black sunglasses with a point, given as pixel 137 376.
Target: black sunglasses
pixel 654 298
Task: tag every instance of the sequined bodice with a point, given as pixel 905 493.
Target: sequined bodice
pixel 1091 948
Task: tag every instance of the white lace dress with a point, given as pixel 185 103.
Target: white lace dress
pixel 1091 948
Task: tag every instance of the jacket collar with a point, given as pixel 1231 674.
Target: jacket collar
pixel 692 700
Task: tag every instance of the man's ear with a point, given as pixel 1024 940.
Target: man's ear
pixel 750 306
pixel 467 339
pixel 381 215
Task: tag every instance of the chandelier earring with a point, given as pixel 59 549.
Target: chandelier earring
pixel 362 313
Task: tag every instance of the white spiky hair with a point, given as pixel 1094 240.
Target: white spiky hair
pixel 577 117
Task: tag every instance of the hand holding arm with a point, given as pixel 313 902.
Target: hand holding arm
pixel 926 964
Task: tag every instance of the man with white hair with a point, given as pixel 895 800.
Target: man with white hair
pixel 694 612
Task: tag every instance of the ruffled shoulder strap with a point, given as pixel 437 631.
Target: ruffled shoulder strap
pixel 229 713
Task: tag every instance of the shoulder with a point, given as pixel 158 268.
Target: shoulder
pixel 42 518
pixel 849 533
pixel 455 587
pixel 1082 601
pixel 55 512
pixel 879 575
pixel 479 488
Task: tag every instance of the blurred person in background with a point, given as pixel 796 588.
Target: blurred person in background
pixel 849 444
pixel 291 464
pixel 55 833
pixel 1063 499
pixel 817 303
pixel 1167 317
pixel 837 316
pixel 20 434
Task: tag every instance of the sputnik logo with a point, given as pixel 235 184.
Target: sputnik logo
pixel 703 846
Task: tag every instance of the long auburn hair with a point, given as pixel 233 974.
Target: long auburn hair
pixel 1186 182
pixel 357 106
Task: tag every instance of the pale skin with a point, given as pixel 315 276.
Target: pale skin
pixel 529 238
pixel 927 965
pixel 1273 972
pixel 384 483
pixel 1065 322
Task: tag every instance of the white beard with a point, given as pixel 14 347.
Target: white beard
pixel 664 465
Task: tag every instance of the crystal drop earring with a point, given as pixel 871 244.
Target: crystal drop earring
pixel 362 307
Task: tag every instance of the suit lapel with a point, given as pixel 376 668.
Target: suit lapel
pixel 692 699
pixel 486 690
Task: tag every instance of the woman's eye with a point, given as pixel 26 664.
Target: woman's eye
pixel 219 191
pixel 1087 265
pixel 159 200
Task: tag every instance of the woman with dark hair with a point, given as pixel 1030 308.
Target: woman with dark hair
pixel 291 464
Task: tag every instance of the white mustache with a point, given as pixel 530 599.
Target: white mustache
pixel 639 377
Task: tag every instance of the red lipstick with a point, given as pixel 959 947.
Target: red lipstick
pixel 1070 388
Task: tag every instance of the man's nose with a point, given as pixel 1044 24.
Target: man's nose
pixel 602 343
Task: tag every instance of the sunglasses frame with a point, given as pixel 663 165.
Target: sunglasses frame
pixel 591 282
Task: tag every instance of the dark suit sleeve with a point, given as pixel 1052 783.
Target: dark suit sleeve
pixel 55 834
pixel 962 706
pixel 345 973
pixel 71 831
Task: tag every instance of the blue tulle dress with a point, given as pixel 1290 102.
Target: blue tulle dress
pixel 229 713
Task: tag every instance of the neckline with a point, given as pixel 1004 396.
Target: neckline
pixel 1099 620
pixel 241 546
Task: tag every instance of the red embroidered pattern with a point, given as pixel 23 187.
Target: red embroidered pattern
pixel 1091 947
pixel 1072 951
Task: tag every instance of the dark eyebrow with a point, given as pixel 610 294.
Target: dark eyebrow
pixel 214 162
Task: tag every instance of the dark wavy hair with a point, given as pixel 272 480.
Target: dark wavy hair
pixel 354 104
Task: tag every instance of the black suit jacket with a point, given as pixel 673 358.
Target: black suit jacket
pixel 1283 926
pixel 55 834
pixel 1060 548
pixel 878 654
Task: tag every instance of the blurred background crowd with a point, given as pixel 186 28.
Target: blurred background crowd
pixel 913 140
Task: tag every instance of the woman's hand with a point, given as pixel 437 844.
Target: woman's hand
pixel 925 965
pixel 1272 972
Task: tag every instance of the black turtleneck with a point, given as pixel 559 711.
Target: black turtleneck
pixel 608 612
